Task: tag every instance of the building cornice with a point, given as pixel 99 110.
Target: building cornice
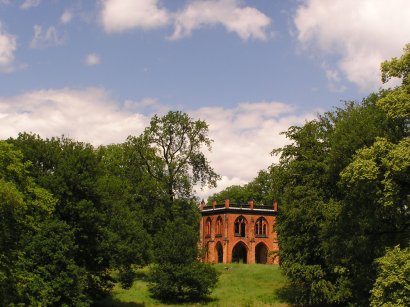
pixel 239 210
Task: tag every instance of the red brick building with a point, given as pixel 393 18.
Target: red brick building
pixel 239 233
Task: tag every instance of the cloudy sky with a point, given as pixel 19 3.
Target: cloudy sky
pixel 97 71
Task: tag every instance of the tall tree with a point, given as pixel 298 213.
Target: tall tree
pixel 344 195
pixel 93 202
pixel 178 275
pixel 37 251
pixel 171 150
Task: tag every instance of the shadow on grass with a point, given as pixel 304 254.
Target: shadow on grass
pixel 202 301
pixel 111 302
pixel 287 294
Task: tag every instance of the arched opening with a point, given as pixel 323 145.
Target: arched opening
pixel 240 253
pixel 240 227
pixel 261 253
pixel 219 252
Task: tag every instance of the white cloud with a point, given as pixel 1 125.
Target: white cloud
pixel 147 105
pixel 87 115
pixel 247 22
pixel 30 3
pixel 362 33
pixel 92 59
pixel 243 135
pixel 66 17
pixel 121 15
pixel 225 182
pixel 46 38
pixel 7 48
pixel 243 138
pixel 333 77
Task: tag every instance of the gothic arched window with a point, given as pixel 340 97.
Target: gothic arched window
pixel 208 226
pixel 219 227
pixel 261 227
pixel 240 227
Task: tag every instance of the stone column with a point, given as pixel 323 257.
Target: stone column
pixel 251 252
pixel 251 245
pixel 211 251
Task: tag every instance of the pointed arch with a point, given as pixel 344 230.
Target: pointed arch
pixel 240 226
pixel 240 253
pixel 219 227
pixel 261 227
pixel 208 227
pixel 261 253
pixel 219 252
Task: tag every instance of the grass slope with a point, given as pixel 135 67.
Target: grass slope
pixel 239 285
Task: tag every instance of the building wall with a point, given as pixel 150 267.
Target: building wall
pixel 210 239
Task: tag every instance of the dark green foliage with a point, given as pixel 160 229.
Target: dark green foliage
pixel 177 242
pixel 170 161
pixel 333 223
pixel 178 276
pixel 94 204
pixel 182 282
pixel 344 197
pixel 47 273
pixel 70 170
pixel 72 214
pixel 36 251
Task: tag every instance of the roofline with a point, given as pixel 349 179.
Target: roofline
pixel 254 211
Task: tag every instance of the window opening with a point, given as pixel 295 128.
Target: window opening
pixel 261 227
pixel 208 228
pixel 219 227
pixel 240 227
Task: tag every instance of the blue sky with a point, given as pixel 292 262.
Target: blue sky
pixel 97 70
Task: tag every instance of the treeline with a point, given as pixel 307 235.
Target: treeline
pixel 72 214
pixel 343 187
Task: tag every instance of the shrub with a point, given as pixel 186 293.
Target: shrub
pixel 178 276
pixel 186 282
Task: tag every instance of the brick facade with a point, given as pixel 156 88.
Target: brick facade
pixel 232 233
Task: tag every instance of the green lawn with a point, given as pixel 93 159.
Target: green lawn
pixel 239 285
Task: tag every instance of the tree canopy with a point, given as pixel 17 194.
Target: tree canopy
pixel 71 214
pixel 344 185
pixel 171 151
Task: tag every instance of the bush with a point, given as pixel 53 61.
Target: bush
pixel 186 282
pixel 178 276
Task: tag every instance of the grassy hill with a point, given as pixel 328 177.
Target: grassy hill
pixel 239 285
